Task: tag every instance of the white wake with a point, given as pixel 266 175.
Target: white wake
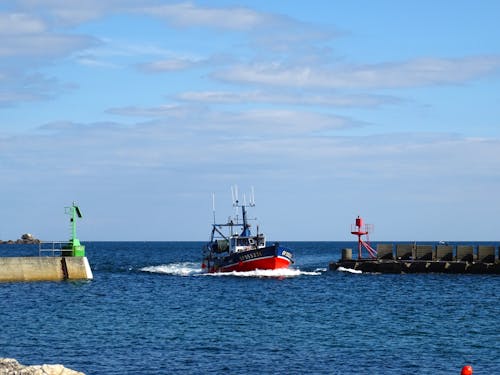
pixel 194 269
pixel 350 270
pixel 176 269
pixel 279 273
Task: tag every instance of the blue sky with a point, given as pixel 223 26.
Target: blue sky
pixel 139 110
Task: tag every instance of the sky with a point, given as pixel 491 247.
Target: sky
pixel 140 110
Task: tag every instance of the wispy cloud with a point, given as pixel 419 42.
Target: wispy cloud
pixel 412 73
pixel 25 33
pixel 259 31
pixel 159 111
pixel 43 45
pixel 117 53
pixel 251 123
pixel 266 138
pixel 109 162
pixel 167 65
pixel 29 42
pixel 180 14
pixel 190 15
pixel 317 98
pixel 20 24
pixel 70 13
pixel 92 61
pixel 20 87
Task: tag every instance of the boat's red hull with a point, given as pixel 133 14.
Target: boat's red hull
pixel 263 258
pixel 268 263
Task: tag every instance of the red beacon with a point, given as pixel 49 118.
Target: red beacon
pixel 359 229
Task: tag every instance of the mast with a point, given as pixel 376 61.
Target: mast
pixel 246 226
pixel 236 203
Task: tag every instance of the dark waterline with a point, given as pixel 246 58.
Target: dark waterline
pixel 149 311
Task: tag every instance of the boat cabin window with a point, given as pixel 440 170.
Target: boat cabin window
pixel 239 242
pixel 242 242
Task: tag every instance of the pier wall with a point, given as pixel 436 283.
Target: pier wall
pixel 44 269
pixel 458 252
pixel 417 266
pixel 413 258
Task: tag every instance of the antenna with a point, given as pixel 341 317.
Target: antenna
pixel 235 197
pixel 234 194
pixel 213 205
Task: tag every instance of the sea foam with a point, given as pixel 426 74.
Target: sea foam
pixel 176 269
pixel 194 269
pixel 349 270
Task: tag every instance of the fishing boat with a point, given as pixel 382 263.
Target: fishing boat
pixel 233 247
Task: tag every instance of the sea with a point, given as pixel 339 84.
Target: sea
pixel 151 310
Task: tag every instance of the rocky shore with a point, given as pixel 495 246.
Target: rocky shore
pixel 26 238
pixel 9 366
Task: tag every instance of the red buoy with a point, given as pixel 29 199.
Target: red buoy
pixel 466 370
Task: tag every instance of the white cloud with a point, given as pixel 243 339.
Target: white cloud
pixel 183 14
pixel 69 13
pixel 43 45
pixel 20 24
pixel 160 111
pixel 115 53
pixel 285 145
pixel 190 15
pixel 262 123
pixel 29 42
pixel 167 65
pixel 25 34
pixel 254 123
pixel 373 175
pixel 412 73
pixel 90 61
pixel 20 87
pixel 317 98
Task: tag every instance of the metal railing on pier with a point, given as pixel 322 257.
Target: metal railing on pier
pixel 53 248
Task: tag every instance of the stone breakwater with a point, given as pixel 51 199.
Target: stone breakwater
pixel 9 366
pixel 413 258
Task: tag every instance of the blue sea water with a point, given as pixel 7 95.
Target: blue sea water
pixel 150 310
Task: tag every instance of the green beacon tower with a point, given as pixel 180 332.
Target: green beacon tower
pixel 74 248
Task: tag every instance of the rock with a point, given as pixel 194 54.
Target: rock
pixel 26 239
pixel 9 366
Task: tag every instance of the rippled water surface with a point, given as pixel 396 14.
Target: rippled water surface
pixel 150 310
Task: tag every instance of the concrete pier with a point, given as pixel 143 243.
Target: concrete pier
pixel 44 269
pixel 413 258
